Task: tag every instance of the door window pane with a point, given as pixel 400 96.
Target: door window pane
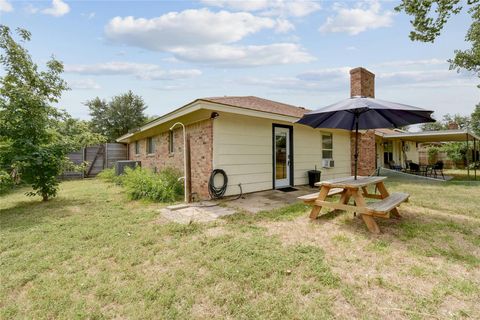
pixel 281 155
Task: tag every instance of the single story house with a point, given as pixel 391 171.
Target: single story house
pixel 254 140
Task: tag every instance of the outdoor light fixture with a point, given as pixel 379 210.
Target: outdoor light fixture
pixel 184 158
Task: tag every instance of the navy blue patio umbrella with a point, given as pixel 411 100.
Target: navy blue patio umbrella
pixel 361 113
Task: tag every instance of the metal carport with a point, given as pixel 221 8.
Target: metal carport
pixel 462 135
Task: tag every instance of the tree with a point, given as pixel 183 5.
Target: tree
pixel 117 117
pixel 429 19
pixel 27 119
pixel 457 120
pixel 77 132
pixel 432 126
pixel 475 120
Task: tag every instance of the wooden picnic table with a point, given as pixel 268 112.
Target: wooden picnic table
pixel 348 188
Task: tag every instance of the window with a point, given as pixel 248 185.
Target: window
pixel 327 146
pixel 170 142
pixel 150 145
pixel 137 147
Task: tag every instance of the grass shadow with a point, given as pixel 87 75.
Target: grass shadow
pixel 26 214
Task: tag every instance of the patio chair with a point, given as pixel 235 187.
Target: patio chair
pixel 438 167
pixel 394 166
pixel 414 168
pixel 407 165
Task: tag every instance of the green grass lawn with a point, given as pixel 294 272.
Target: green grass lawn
pixel 92 253
pixel 462 174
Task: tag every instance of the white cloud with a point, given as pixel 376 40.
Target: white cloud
pixel 5 6
pixel 141 71
pixel 329 74
pixel 322 80
pixel 337 80
pixel 365 15
pixel 246 56
pixel 283 25
pixel 89 15
pixel 84 84
pixel 58 9
pixel 239 4
pixel 297 8
pixel 426 78
pixel 408 63
pixel 207 37
pixel 294 8
pixel 31 9
pixel 188 28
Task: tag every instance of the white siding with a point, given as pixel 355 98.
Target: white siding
pixel 242 146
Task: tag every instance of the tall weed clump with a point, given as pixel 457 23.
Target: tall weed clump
pixel 140 183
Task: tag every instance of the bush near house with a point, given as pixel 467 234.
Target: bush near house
pixel 145 184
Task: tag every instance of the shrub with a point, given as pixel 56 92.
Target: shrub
pixel 107 175
pixel 145 184
pixel 6 182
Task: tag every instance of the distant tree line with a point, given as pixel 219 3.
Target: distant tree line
pixel 456 121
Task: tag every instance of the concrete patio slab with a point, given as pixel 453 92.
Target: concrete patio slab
pixel 268 200
pixel 208 211
pixel 199 212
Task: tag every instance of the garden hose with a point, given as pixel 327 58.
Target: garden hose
pixel 219 192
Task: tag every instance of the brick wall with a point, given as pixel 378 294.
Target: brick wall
pixel 201 154
pixel 366 152
pixel 362 83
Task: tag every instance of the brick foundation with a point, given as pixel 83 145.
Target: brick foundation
pixel 201 154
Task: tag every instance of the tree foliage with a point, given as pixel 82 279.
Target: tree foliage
pixel 429 19
pixel 77 132
pixel 118 116
pixel 29 145
pixel 475 120
pixel 456 121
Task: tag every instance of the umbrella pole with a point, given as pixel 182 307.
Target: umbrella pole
pixel 356 145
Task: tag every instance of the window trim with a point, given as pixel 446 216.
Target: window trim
pixel 137 148
pixel 324 149
pixel 150 146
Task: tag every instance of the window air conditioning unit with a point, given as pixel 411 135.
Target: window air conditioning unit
pixel 328 163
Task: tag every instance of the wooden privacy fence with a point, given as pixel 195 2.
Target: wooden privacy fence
pixel 97 157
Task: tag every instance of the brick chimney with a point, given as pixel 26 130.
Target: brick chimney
pixel 452 126
pixel 362 83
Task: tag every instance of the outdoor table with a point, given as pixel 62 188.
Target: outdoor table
pixel 358 190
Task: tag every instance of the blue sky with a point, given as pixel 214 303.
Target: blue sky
pixel 297 52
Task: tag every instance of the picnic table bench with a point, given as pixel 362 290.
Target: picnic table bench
pixel 348 188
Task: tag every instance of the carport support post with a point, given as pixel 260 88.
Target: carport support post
pixel 468 167
pixel 475 157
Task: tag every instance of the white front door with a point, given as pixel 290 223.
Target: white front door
pixel 281 157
